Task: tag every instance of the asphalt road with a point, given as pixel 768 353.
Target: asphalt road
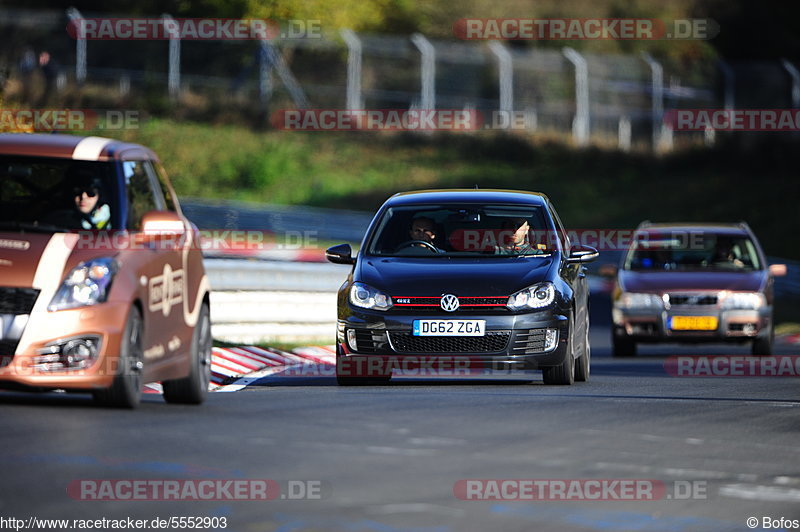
pixel 388 458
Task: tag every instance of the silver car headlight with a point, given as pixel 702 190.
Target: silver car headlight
pixel 364 296
pixel 87 284
pixel 534 297
pixel 743 300
pixel 633 300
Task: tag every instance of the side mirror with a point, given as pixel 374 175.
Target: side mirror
pixel 159 225
pixel 609 271
pixel 341 254
pixel 580 254
pixel 777 270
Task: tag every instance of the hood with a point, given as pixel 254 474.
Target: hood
pixel 460 276
pixel 20 254
pixel 633 281
pixel 23 255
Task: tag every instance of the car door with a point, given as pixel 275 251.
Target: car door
pixel 160 270
pixel 574 275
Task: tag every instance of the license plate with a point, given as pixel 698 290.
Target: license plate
pixel 693 323
pixel 449 327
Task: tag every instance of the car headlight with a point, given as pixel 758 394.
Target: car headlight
pixel 743 300
pixel 364 296
pixel 629 300
pixel 536 296
pixel 87 284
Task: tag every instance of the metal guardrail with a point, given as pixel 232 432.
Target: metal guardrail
pixel 319 223
pixel 246 275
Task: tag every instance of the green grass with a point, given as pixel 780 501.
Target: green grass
pixel 592 188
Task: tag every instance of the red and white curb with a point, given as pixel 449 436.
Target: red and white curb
pixel 230 365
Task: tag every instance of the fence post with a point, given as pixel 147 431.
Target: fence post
pixel 75 18
pixel 728 83
pixel 505 76
pixel 427 71
pixel 580 125
pixel 353 68
pixel 264 79
pixel 174 75
pixel 624 133
pixel 657 99
pixel 795 75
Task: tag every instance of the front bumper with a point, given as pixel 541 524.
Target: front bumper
pixel 733 325
pixel 105 322
pixel 510 340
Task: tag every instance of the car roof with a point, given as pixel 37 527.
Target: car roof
pixel 467 195
pixel 71 147
pixel 710 227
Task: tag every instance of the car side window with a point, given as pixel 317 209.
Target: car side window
pixel 141 198
pixel 562 233
pixel 161 180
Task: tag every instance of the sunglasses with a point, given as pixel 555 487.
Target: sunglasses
pixel 90 192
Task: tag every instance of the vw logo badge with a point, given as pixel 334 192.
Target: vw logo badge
pixel 449 303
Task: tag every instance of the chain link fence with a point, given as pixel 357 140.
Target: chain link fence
pixel 616 100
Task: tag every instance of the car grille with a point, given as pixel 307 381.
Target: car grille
pixel 17 300
pixel 493 342
pixel 465 304
pixel 693 299
pixel 529 342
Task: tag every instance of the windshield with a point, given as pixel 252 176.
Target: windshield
pixel 462 230
pixel 48 194
pixel 692 251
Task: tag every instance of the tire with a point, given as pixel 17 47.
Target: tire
pixel 126 389
pixel 583 364
pixel 193 389
pixel 763 346
pixel 622 346
pixel 564 373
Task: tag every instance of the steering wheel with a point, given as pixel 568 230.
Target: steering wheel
pixel 422 243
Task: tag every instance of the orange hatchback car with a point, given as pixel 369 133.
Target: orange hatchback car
pixel 102 286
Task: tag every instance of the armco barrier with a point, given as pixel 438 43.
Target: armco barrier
pixel 260 301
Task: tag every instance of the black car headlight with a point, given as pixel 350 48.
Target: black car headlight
pixel 87 284
pixel 364 296
pixel 534 297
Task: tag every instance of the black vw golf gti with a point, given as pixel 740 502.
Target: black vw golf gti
pixel 483 279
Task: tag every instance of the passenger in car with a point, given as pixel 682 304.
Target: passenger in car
pixel 87 194
pixel 514 238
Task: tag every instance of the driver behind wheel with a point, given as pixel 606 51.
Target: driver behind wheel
pixel 422 228
pixel 423 235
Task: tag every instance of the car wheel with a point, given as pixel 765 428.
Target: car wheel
pixel 763 346
pixel 622 346
pixel 583 364
pixel 193 389
pixel 564 373
pixel 126 389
